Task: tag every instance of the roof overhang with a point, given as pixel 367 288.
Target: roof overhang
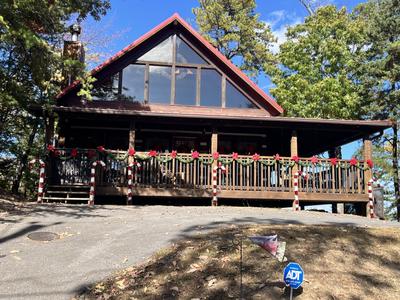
pixel 331 132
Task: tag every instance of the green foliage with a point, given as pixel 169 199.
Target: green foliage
pixel 31 66
pixel 234 28
pixel 87 86
pixel 378 74
pixel 316 77
pixel 379 63
pixel 382 154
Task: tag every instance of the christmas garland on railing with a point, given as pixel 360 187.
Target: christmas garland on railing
pixel 216 157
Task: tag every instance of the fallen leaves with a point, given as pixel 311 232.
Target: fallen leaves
pixel 210 263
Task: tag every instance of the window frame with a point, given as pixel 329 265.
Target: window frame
pixel 175 65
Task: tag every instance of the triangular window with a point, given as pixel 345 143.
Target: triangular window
pixel 160 53
pixel 186 55
pixel 235 99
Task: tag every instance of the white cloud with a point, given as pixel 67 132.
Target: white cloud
pixel 279 21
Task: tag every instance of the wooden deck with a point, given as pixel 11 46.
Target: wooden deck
pixel 267 178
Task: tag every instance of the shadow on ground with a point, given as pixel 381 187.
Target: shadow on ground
pixel 339 263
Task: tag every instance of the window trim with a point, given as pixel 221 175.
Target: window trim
pixel 174 65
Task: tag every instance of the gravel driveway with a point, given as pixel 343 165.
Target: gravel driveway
pixel 95 242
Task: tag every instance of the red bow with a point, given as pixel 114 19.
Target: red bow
pixel 370 163
pixel 152 153
pixel 195 154
pixel 74 152
pixel 131 152
pixel 174 153
pixel 353 161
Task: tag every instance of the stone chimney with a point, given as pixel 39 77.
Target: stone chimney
pixel 73 49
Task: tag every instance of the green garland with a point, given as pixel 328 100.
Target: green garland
pixel 97 153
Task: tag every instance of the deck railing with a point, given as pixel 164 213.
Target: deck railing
pixel 242 174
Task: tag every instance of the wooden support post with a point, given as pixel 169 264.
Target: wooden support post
pixel 49 130
pixel 367 173
pixel 294 152
pixel 214 148
pixel 294 148
pixel 49 140
pixel 214 141
pixel 340 208
pixel 132 134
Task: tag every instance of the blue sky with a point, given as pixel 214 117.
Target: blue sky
pixel 129 19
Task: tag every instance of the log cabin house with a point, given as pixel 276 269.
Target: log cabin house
pixel 181 107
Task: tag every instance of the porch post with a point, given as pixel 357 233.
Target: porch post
pixel 132 135
pixel 49 140
pixel 293 145
pixel 49 129
pixel 367 173
pixel 214 141
pixel 214 148
pixel 294 152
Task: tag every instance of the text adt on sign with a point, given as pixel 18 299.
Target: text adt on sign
pixel 293 275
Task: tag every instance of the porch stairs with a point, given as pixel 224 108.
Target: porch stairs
pixel 66 193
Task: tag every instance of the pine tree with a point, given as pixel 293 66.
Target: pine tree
pixel 379 73
pixel 234 28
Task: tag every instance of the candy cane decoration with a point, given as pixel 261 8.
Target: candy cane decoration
pixel 371 198
pixel 42 175
pixel 130 177
pixel 296 203
pixel 214 201
pixel 93 180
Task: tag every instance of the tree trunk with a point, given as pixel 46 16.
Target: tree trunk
pixel 395 165
pixel 24 158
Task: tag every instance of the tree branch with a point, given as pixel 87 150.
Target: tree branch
pixel 307 6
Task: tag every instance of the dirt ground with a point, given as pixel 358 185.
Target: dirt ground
pixel 10 203
pixel 338 262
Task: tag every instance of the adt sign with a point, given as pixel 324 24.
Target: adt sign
pixel 293 275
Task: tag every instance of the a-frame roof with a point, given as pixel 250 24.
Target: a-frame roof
pixel 273 107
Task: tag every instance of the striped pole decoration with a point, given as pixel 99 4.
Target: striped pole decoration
pixel 42 175
pixel 214 201
pixel 371 198
pixel 296 202
pixel 93 180
pixel 130 177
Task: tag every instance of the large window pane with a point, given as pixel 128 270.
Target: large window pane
pixel 107 90
pixel 210 88
pixel 186 55
pixel 159 84
pixel 185 90
pixel 160 53
pixel 236 99
pixel 133 83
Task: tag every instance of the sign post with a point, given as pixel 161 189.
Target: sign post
pixel 293 275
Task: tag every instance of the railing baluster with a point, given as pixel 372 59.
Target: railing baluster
pixel 323 177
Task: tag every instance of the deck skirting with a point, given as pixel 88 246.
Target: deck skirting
pixel 229 194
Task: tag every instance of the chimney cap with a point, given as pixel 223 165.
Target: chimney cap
pixel 75 30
